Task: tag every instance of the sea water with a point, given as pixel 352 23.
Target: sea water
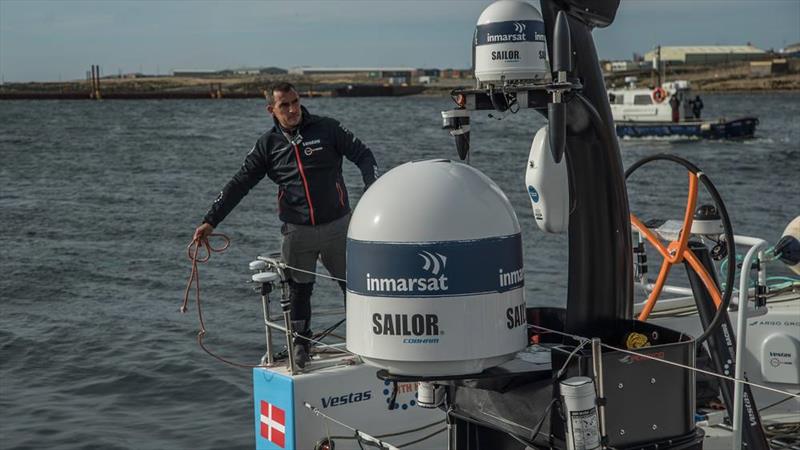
pixel 98 201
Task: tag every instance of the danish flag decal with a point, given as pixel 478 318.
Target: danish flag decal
pixel 273 424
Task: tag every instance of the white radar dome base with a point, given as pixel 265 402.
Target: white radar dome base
pixel 548 186
pixel 435 281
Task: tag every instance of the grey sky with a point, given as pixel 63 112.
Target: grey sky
pixel 51 40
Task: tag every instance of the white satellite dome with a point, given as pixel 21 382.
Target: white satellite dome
pixel 435 282
pixel 510 44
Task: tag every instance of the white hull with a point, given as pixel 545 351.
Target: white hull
pixel 346 391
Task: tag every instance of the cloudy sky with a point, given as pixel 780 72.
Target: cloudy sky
pixel 52 40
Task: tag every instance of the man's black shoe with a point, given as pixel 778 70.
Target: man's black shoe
pixel 301 343
pixel 301 354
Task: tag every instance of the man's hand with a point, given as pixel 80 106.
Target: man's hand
pixel 203 232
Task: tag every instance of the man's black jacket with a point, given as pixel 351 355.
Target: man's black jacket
pixel 306 166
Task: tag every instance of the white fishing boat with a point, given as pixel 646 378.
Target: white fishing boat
pixel 633 103
pixel 441 350
pixel 642 112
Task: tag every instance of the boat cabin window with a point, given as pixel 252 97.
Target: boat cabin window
pixel 616 99
pixel 642 100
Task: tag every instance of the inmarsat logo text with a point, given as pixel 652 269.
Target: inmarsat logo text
pixel 495 38
pixel 511 278
pixel 517 36
pixel 434 263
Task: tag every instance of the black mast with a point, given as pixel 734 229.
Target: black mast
pixel 600 289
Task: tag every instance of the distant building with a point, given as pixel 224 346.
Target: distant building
pixel 370 72
pixel 428 76
pixel 397 81
pixel 620 66
pixel 764 68
pixel 198 73
pixel 791 51
pixel 456 73
pixel 433 73
pixel 707 54
pixel 206 73
pixel 247 71
pixel 273 71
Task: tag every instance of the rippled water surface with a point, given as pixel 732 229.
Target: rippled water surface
pixel 99 200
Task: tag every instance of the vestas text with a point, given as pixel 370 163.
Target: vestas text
pixel 346 399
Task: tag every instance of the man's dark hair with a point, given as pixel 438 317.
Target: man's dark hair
pixel 283 86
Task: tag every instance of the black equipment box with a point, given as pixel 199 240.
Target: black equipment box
pixel 646 401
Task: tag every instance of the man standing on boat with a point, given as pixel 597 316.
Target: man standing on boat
pixel 675 104
pixel 697 107
pixel 302 154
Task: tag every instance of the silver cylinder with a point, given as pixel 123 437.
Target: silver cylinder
pixel 579 401
pixel 429 395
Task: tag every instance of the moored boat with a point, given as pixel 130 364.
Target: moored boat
pixel 741 128
pixel 670 111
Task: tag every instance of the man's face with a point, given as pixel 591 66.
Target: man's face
pixel 286 108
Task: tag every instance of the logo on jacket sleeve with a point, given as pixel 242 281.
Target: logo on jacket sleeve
pixel 273 424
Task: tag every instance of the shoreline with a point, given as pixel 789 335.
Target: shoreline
pixel 431 93
pixel 728 79
pixel 427 92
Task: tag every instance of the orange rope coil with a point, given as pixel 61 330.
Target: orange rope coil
pixel 193 252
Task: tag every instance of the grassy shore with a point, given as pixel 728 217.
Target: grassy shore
pixel 722 78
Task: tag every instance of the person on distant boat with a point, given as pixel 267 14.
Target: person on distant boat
pixel 675 104
pixel 697 107
pixel 302 153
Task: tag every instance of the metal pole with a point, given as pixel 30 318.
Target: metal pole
pixel 286 305
pixel 267 329
pixel 762 268
pixel 597 367
pixel 289 340
pixel 741 343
